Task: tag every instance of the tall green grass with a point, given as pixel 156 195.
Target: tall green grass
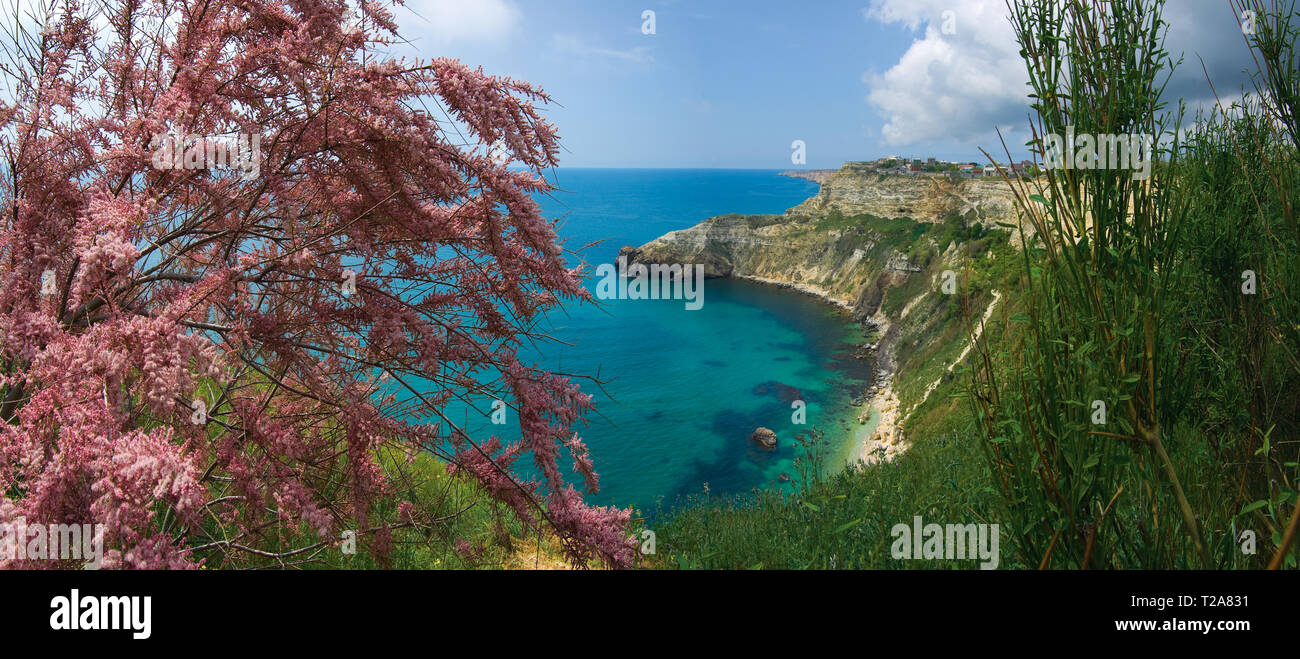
pixel 1134 301
pixel 1128 292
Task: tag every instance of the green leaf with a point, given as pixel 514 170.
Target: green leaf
pixel 844 527
pixel 1252 507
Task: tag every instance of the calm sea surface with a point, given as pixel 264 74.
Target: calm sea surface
pixel 684 389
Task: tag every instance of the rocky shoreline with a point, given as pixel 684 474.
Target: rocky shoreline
pixel 887 440
pixel 806 289
pixel 837 247
pixel 815 175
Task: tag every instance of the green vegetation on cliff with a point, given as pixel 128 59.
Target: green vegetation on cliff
pixel 1170 301
pixel 843 520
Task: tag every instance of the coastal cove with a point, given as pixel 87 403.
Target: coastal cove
pixel 812 296
pixel 684 389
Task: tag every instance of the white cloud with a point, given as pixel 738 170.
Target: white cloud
pixel 959 88
pixel 464 21
pixel 575 45
pixel 954 87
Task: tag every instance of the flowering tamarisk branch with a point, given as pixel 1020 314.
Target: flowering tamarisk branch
pixel 130 290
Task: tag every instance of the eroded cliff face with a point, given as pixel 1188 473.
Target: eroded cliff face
pixel 838 243
pixel 854 190
pixel 887 272
pixel 849 264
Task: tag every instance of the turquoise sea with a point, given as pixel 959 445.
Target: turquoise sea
pixel 685 389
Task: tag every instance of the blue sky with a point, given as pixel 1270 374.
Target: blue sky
pixel 733 84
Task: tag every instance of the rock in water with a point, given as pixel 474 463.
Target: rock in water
pixel 765 437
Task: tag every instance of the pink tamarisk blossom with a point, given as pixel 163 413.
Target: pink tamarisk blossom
pixel 207 362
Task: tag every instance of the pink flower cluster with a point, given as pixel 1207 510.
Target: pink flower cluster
pixel 178 360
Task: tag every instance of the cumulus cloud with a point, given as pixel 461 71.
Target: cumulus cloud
pixel 954 87
pixel 459 21
pixel 960 87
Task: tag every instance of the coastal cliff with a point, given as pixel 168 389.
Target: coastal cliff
pixel 857 188
pixel 879 247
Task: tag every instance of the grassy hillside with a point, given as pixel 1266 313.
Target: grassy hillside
pixel 843 521
pixel 1134 400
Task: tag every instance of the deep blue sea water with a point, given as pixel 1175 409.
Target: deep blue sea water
pixel 685 389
